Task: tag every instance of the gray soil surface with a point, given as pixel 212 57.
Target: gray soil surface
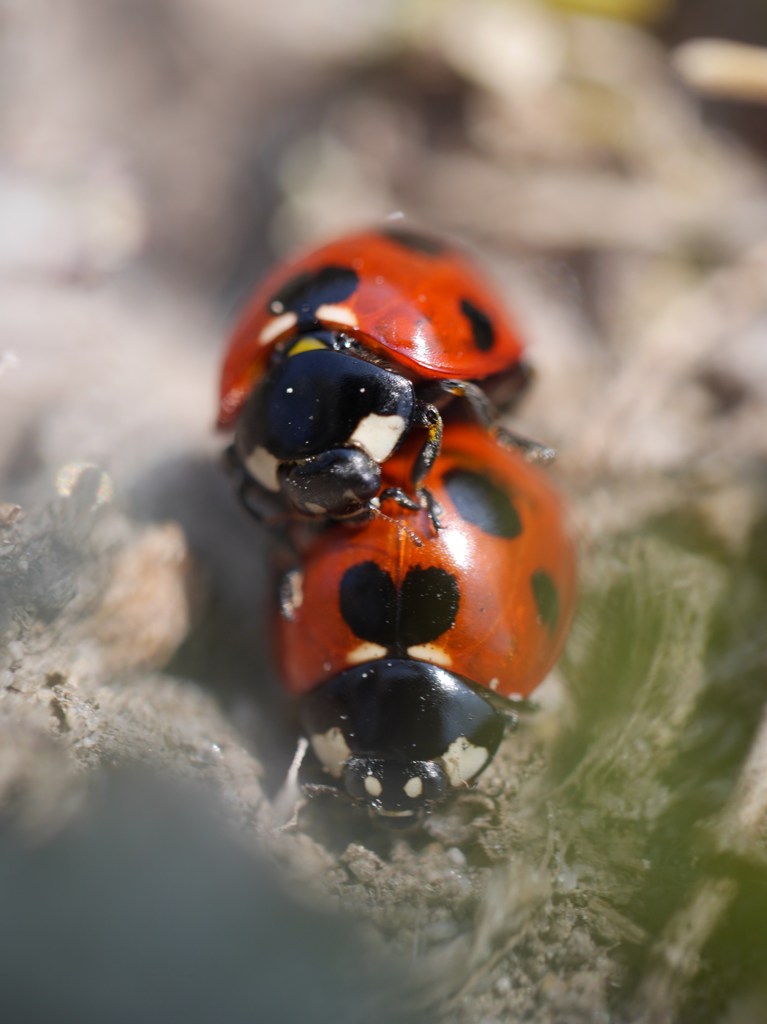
pixel 156 158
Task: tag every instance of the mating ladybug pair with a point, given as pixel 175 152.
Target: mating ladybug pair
pixel 438 578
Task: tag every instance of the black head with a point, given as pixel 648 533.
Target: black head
pixel 400 735
pixel 338 483
pixel 398 792
pixel 320 423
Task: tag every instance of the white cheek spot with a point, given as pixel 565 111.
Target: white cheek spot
pixel 262 466
pixel 431 653
pixel 493 684
pixel 413 787
pixel 365 652
pixel 314 509
pixel 332 750
pixel 337 315
pixel 463 761
pixel 379 435
pixel 276 327
pixel 373 786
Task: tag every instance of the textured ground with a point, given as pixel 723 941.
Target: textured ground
pixel 155 157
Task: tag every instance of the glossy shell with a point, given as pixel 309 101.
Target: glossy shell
pixel 489 597
pixel 408 298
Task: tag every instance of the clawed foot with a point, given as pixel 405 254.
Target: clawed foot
pixel 424 499
pixel 533 451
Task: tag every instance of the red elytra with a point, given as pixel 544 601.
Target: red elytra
pixel 407 298
pixel 490 596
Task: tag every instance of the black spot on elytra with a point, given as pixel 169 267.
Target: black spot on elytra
pixel 305 293
pixel 482 331
pixel 482 503
pixel 415 240
pixel 424 608
pixel 546 597
pixel 368 601
pixel 429 599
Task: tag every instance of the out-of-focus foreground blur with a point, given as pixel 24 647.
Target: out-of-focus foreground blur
pixel 605 160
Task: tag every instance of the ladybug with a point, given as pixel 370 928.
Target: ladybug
pixel 344 352
pixel 405 646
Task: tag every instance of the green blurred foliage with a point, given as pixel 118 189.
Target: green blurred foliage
pixel 643 11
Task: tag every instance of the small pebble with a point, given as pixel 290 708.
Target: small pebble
pixel 503 985
pixel 9 513
pixel 363 863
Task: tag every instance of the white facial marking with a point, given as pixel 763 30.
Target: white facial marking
pixel 413 787
pixel 431 653
pixel 493 684
pixel 315 509
pixel 337 315
pixel 262 466
pixel 373 786
pixel 463 761
pixel 276 327
pixel 332 750
pixel 379 435
pixel 365 652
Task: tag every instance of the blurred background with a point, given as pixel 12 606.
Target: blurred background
pixel 604 160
